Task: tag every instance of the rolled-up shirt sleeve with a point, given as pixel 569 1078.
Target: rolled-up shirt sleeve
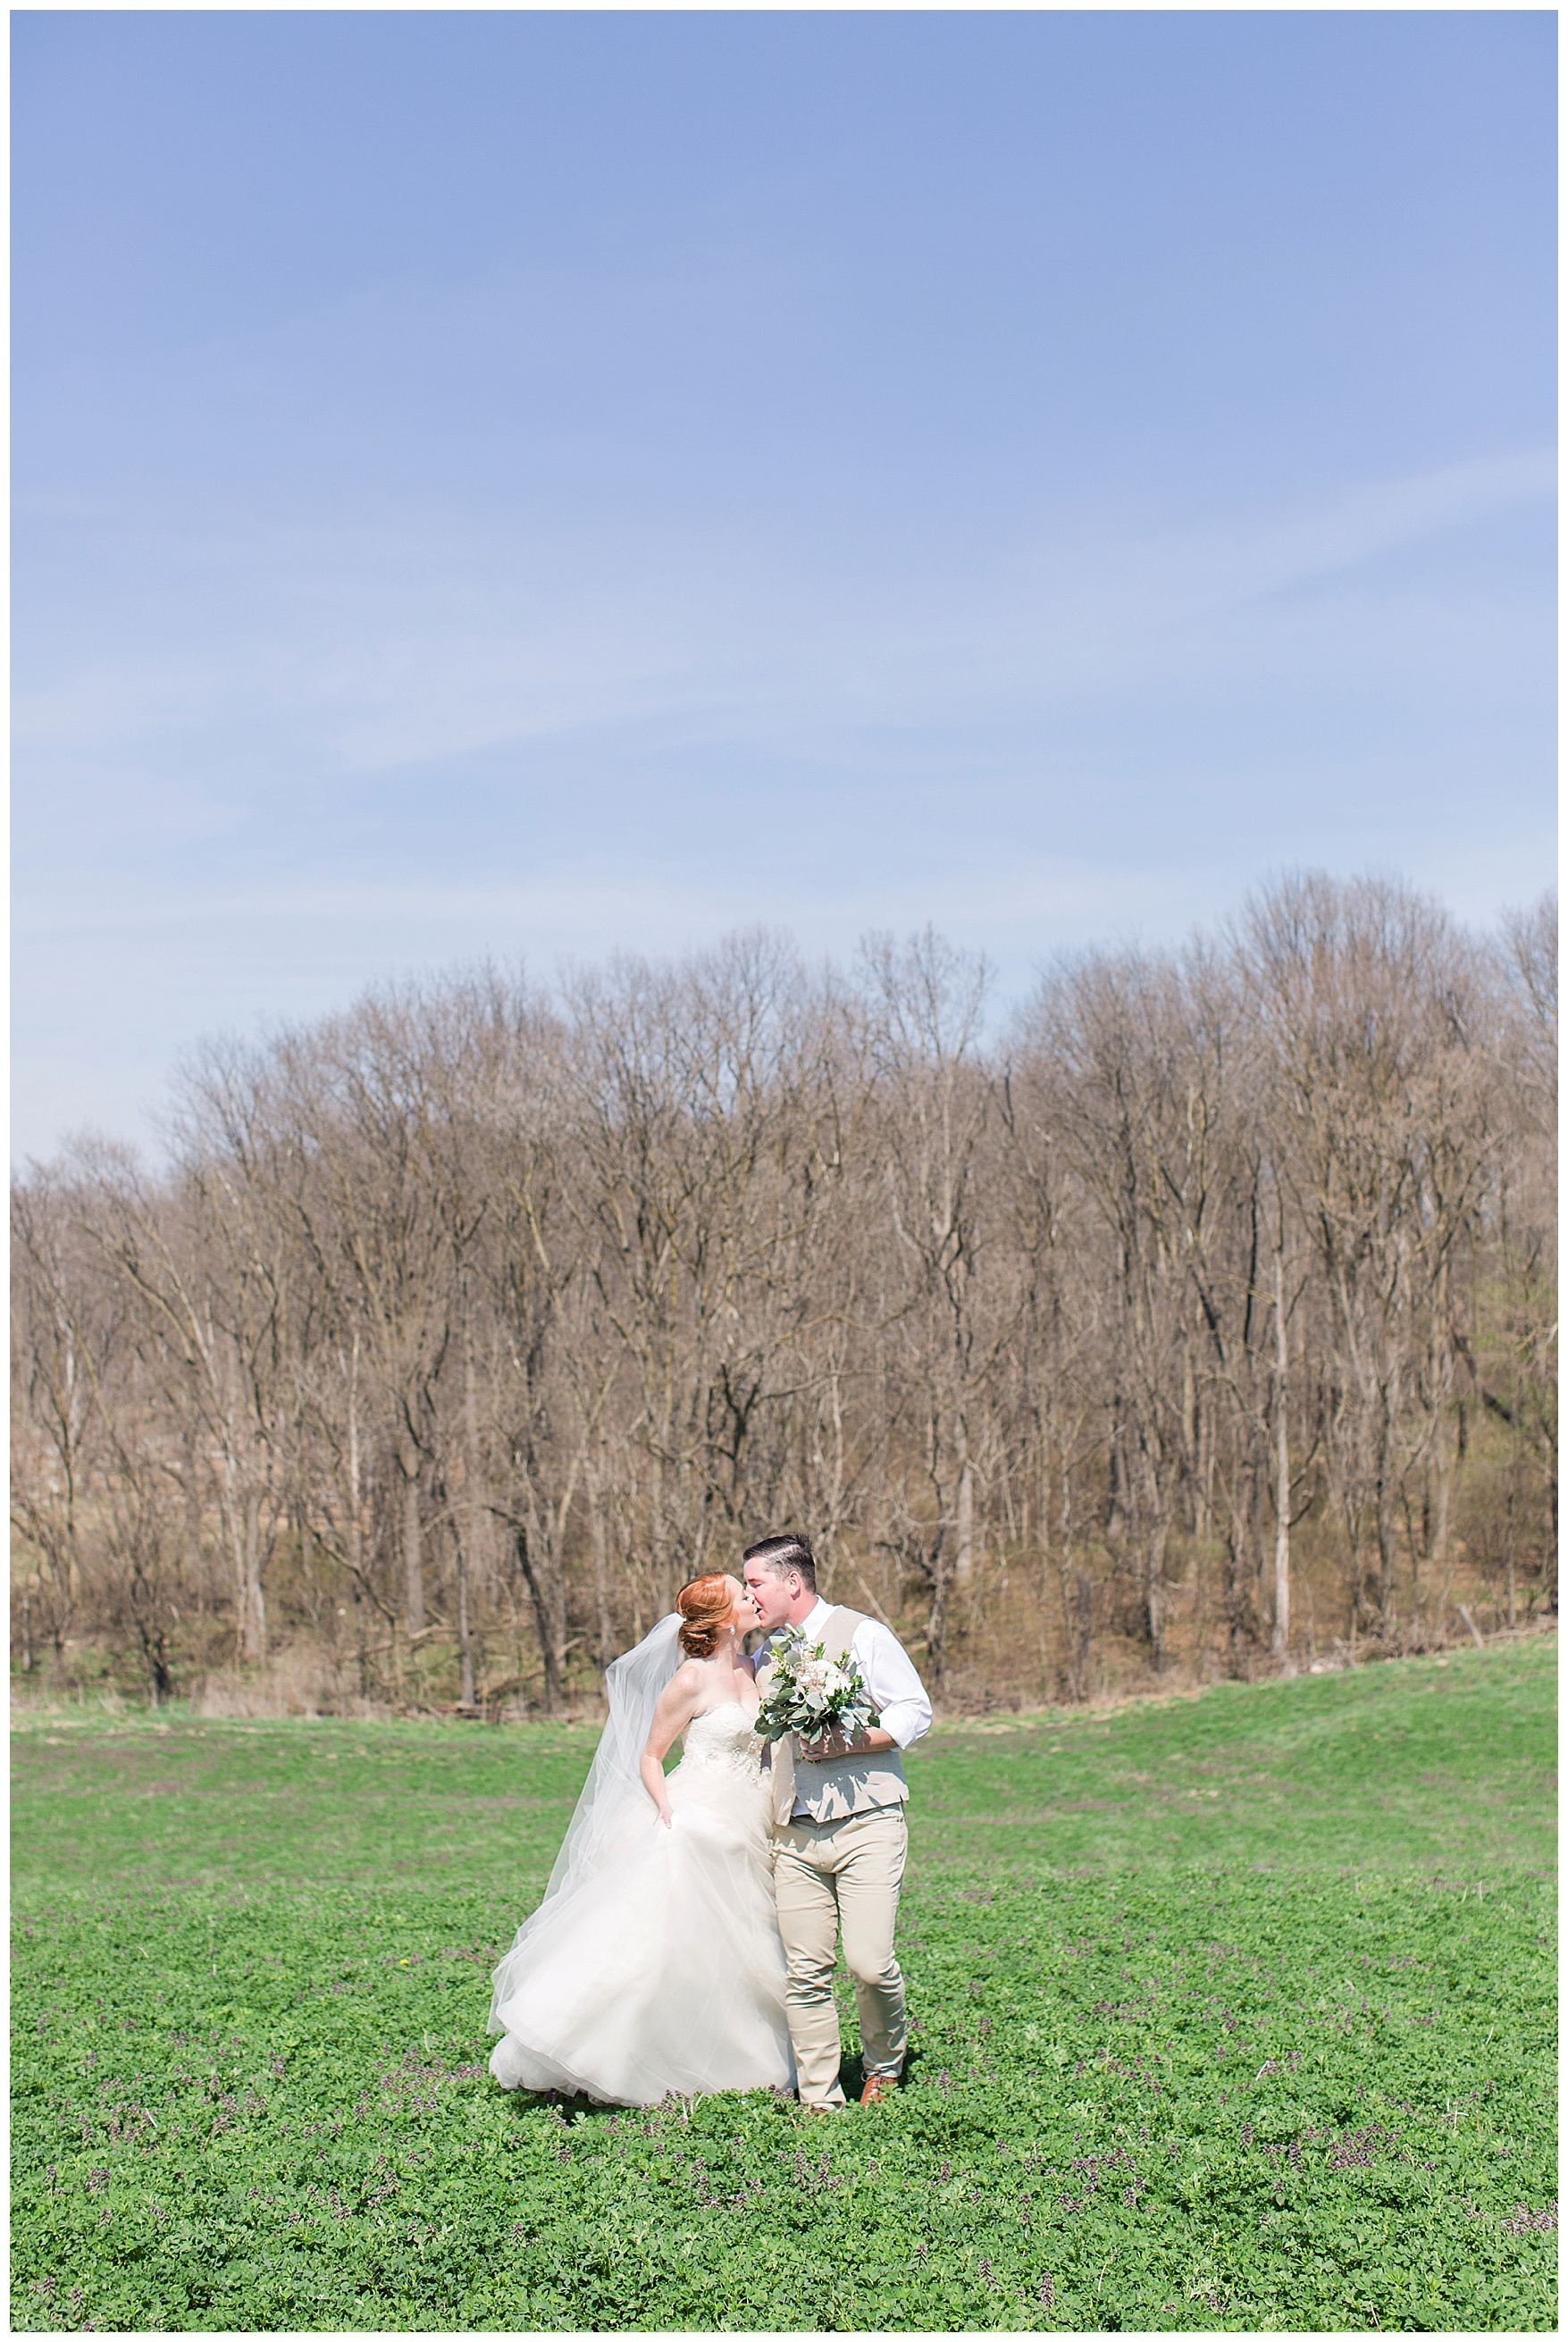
pixel 897 1691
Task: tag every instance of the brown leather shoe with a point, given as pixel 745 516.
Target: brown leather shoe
pixel 878 2087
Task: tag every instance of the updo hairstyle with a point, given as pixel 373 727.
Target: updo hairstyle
pixel 706 1607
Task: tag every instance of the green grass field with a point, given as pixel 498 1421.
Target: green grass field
pixel 1229 2011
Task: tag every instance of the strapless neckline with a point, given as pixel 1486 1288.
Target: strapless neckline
pixel 722 1739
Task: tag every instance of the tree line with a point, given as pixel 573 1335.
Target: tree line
pixel 1201 1313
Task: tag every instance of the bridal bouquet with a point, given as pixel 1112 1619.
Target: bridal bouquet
pixel 811 1695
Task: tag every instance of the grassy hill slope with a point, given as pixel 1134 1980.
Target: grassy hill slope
pixel 1232 2011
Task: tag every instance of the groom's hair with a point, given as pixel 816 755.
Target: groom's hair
pixel 781 1553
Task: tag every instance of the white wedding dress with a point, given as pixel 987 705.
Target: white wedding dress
pixel 654 1963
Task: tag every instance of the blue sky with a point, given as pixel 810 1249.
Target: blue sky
pixel 531 484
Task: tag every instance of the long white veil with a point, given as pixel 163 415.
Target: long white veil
pixel 614 1799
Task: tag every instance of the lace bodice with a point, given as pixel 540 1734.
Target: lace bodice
pixel 722 1741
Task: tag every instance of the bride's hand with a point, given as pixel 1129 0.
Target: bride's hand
pixel 677 1706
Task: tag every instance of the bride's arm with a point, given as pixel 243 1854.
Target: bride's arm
pixel 677 1706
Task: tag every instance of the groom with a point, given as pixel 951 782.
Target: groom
pixel 839 1831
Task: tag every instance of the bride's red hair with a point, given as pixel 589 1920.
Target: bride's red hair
pixel 707 1605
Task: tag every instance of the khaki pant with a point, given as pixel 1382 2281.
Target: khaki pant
pixel 828 1876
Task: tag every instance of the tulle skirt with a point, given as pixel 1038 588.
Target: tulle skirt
pixel 663 1971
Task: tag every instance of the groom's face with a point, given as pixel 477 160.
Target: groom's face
pixel 772 1593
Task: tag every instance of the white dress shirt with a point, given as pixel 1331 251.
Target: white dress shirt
pixel 897 1694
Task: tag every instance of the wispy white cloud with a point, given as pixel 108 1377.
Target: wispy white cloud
pixel 375 651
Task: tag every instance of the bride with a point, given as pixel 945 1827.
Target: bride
pixel 653 1963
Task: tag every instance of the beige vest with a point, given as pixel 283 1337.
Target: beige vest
pixel 846 1785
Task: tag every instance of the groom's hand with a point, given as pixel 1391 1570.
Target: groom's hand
pixel 829 1745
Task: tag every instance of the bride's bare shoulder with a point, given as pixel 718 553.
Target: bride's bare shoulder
pixel 683 1687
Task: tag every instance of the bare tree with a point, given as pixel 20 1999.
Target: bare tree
pixel 1213 1299
pixel 1366 997
pixel 925 1005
